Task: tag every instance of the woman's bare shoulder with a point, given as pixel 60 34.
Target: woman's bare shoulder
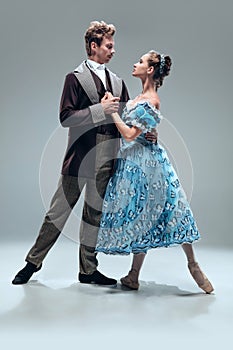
pixel 155 101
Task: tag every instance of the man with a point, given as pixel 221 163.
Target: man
pixel 87 162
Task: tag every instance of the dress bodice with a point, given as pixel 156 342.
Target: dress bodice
pixel 142 115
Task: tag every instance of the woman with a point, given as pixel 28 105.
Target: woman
pixel 145 206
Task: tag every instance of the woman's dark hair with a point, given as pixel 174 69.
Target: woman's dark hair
pixel 162 65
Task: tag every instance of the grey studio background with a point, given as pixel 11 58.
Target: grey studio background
pixel 41 41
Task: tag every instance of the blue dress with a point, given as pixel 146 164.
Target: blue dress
pixel 144 205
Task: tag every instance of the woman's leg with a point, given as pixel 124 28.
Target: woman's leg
pixel 131 280
pixel 197 274
pixel 189 252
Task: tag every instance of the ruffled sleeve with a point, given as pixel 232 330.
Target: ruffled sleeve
pixel 144 116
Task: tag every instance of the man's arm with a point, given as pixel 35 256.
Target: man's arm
pixel 70 116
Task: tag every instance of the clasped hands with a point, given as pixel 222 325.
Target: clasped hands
pixel 111 105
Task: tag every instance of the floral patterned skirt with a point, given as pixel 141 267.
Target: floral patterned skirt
pixel 144 206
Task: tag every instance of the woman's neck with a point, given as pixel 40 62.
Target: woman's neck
pixel 149 93
pixel 148 88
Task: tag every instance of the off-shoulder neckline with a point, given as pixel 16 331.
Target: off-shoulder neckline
pixel 141 102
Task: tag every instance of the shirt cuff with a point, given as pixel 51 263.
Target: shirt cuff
pixel 97 113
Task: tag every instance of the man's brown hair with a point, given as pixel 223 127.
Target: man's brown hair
pixel 96 32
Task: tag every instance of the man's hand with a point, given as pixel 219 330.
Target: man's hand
pixel 110 103
pixel 152 136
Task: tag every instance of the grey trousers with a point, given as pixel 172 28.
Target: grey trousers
pixel 66 196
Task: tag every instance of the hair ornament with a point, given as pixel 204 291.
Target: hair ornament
pixel 162 63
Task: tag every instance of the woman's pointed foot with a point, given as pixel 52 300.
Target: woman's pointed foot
pixel 128 282
pixel 200 278
pixel 131 280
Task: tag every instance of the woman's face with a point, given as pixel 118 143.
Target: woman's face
pixel 140 69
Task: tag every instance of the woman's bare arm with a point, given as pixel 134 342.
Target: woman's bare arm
pixel 129 133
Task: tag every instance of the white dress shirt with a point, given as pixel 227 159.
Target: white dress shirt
pixel 98 69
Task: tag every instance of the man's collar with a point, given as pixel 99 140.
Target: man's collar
pixel 95 65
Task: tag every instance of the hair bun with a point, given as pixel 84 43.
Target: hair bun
pixel 161 64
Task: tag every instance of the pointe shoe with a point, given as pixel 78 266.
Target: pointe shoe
pixel 200 278
pixel 127 281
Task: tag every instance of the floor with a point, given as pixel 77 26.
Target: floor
pixel 55 311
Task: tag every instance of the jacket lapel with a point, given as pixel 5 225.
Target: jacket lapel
pixel 85 78
pixel 116 84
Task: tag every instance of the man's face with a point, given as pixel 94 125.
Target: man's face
pixel 104 52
